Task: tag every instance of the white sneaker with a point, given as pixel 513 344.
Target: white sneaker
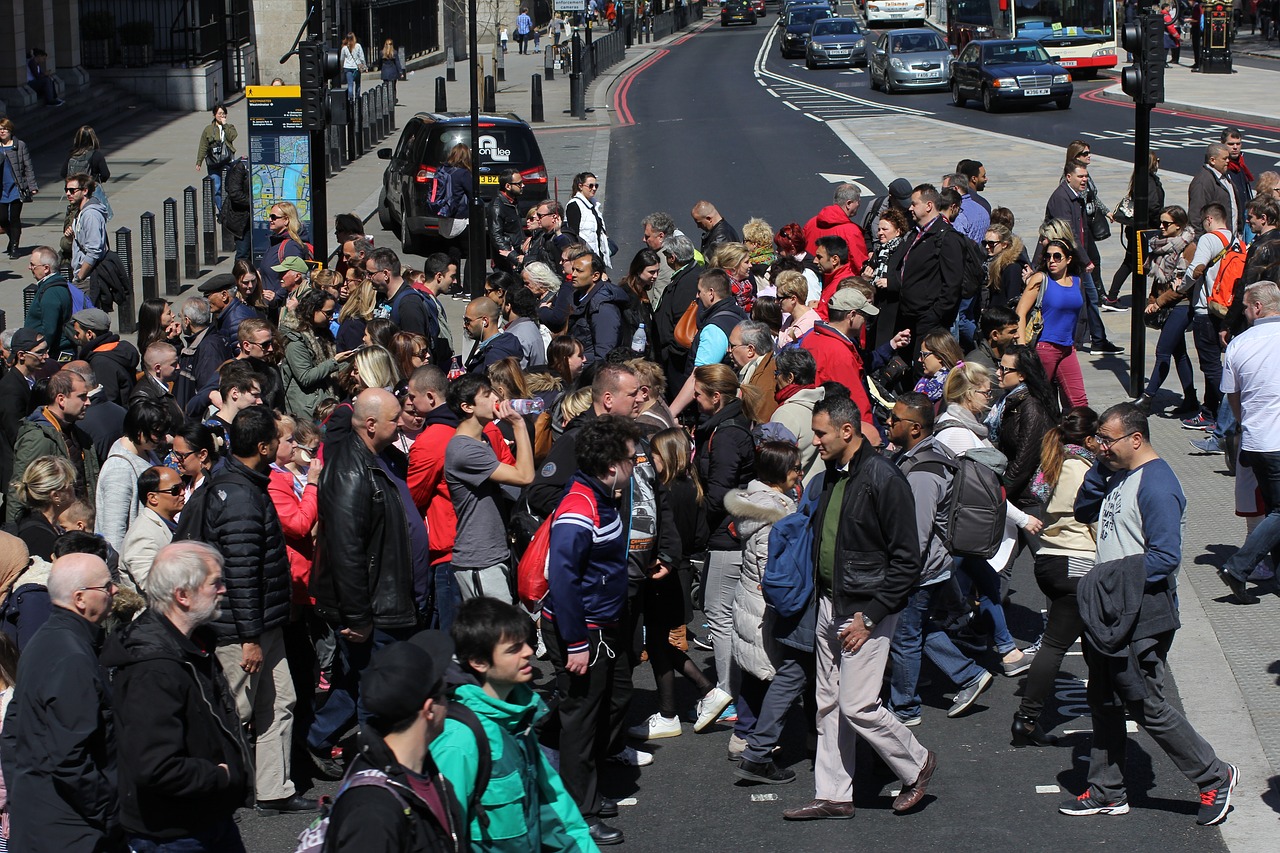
pixel 657 726
pixel 632 756
pixel 709 708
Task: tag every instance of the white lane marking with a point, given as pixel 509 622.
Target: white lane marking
pixel 793 106
pixel 814 117
pixel 1048 789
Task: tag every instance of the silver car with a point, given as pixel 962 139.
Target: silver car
pixel 909 59
pixel 836 41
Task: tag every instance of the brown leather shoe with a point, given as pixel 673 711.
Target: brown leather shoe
pixel 820 810
pixel 912 794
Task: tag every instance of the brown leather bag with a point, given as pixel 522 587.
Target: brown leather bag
pixel 687 328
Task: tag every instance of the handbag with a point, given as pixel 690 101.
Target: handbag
pixel 1035 320
pixel 1124 211
pixel 1099 225
pixel 687 328
pixel 218 155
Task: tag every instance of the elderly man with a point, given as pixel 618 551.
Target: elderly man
pixel 751 348
pixel 838 219
pixel 162 495
pixel 658 226
pixel 681 257
pixel 1211 185
pixel 58 744
pixel 50 309
pixel 228 313
pixel 184 764
pixel 202 353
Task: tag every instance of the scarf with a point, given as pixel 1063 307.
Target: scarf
pixel 1042 488
pixel 964 419
pixel 790 391
pixel 996 415
pixel 1239 166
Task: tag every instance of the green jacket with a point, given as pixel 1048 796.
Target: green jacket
pixel 210 135
pixel 37 437
pixel 49 314
pixel 306 381
pixel 528 808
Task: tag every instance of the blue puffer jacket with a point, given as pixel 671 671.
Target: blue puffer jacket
pixel 596 320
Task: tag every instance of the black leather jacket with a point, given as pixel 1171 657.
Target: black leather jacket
pixel 503 218
pixel 363 572
pixel 877 553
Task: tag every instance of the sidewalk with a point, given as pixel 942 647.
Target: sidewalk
pixel 151 153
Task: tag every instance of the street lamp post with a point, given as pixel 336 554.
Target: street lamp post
pixel 475 228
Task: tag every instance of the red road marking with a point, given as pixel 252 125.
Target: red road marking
pixel 1096 96
pixel 620 108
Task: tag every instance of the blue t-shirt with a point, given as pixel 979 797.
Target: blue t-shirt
pixel 1060 309
pixel 9 189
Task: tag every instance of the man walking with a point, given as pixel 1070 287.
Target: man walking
pixel 932 269
pixel 397 300
pixel 866 509
pixel 1129 607
pixel 489 342
pixel 114 361
pixel 1068 203
pixel 184 764
pixel 1211 185
pixel 838 220
pixel 161 495
pixel 505 233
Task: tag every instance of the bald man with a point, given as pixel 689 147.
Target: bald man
pixel 372 571
pixel 714 227
pixel 58 745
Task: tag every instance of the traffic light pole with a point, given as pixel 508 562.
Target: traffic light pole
pixel 1141 217
pixel 319 197
pixel 475 228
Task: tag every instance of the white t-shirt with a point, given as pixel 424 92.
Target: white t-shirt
pixel 1248 369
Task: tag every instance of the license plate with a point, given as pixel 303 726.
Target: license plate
pixel 929 75
pixel 1033 93
pixel 838 54
pixel 488 179
pixel 1067 63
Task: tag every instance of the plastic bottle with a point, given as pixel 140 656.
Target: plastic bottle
pixel 455 368
pixel 640 341
pixel 528 407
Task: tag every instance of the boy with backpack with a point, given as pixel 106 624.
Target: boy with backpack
pixel 512 798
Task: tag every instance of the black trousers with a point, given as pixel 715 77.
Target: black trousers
pixel 11 222
pixel 582 708
pixel 1062 629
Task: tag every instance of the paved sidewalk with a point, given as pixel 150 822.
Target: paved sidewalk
pixel 1245 96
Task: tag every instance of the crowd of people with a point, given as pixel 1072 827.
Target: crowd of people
pixel 323 538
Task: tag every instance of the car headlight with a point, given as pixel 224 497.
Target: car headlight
pixel 859 43
pixel 898 64
pixel 1105 51
pixel 1005 83
pixel 1062 78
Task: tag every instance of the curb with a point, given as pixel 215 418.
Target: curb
pixel 1114 93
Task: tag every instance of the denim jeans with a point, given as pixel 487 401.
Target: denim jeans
pixel 343 703
pixel 915 634
pixel 353 83
pixel 1266 536
pixel 1226 422
pixel 987 583
pixel 446 600
pixel 215 172
pixel 222 837
pixel 1092 313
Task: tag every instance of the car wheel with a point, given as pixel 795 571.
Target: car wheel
pixel 988 100
pixel 956 97
pixel 888 84
pixel 809 63
pixel 408 242
pixel 1064 103
pixel 873 82
pixel 384 213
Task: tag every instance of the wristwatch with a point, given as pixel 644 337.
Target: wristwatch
pixel 868 622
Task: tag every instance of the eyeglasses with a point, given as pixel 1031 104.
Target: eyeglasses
pixel 735 346
pixel 173 491
pixel 309 451
pixel 106 587
pixel 71 190
pixel 924 353
pixel 1165 223
pixel 990 244
pixel 1055 256
pixel 1106 442
pixel 545 215
pixel 987 393
pixel 182 457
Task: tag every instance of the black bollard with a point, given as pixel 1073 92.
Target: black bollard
pixel 127 317
pixel 535 108
pixel 577 103
pixel 147 250
pixel 190 235
pixel 490 95
pixel 442 97
pixel 500 60
pixel 172 275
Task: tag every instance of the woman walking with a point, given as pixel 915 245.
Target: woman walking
pixel 17 184
pixel 391 68
pixel 1057 290
pixel 216 149
pixel 1168 261
pixel 353 63
pixel 584 216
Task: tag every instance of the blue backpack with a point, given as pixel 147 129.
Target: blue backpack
pixel 787 584
pixel 442 202
pixel 79 299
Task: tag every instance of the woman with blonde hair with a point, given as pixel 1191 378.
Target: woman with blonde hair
pixel 735 260
pixel 1006 260
pixel 757 236
pixel 793 291
pixel 355 314
pixel 391 69
pixel 369 367
pixel 44 490
pixel 286 242
pixel 654 414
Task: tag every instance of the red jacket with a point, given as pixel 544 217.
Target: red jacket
pixel 838 361
pixel 298 520
pixel 829 283
pixel 832 220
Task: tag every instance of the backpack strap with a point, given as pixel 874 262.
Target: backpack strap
pixel 484 768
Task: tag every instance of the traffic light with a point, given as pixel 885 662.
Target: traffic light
pixel 1144 79
pixel 317 65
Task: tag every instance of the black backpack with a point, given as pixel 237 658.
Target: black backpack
pixel 975 272
pixel 975 508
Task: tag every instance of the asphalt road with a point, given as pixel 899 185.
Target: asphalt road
pixel 705 127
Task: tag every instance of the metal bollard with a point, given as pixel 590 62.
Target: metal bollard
pixel 490 96
pixel 577 103
pixel 385 108
pixel 442 96
pixel 172 277
pixel 500 62
pixel 450 69
pixel 190 235
pixel 375 98
pixel 366 123
pixel 210 222
pixel 147 249
pixel 127 317
pixel 29 294
pixel 535 108
pixel 549 64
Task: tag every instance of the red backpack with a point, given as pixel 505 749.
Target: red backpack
pixel 531 572
pixel 1230 263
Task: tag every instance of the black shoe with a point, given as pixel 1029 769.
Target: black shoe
pixel 326 766
pixel 1239 589
pixel 608 807
pixel 296 804
pixel 766 773
pixel 604 835
pixel 1144 404
pixel 1106 347
pixel 1189 406
pixel 1027 732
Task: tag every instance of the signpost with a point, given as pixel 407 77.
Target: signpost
pixel 280 167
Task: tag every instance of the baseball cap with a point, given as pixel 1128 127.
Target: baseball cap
pixel 94 319
pixel 404 675
pixel 851 299
pixel 293 263
pixel 215 283
pixel 900 189
pixel 24 340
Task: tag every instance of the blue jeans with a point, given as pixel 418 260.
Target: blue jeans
pixel 216 174
pixel 987 583
pixel 222 837
pixel 1092 313
pixel 1266 536
pixel 353 83
pixel 915 634
pixel 447 599
pixel 965 328
pixel 1226 422
pixel 343 704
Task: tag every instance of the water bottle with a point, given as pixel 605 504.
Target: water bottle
pixel 528 407
pixel 455 368
pixel 640 341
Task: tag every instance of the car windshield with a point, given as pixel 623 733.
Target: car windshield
pixel 918 43
pixel 500 146
pixel 836 28
pixel 807 16
pixel 1011 54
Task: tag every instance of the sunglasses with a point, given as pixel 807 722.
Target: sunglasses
pixel 1002 370
pixel 990 244
pixel 1084 153
pixel 71 190
pixel 274 216
pixel 1165 223
pixel 592 186
pixel 172 490
pixel 894 419
pixel 1055 256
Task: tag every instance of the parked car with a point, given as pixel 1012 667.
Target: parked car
pixel 759 7
pixel 737 12
pixel 909 59
pixel 795 32
pixel 836 41
pixel 506 142
pixel 1003 72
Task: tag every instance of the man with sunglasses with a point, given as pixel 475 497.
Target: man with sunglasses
pixel 160 492
pixel 1129 607
pixel 506 231
pixel 89 229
